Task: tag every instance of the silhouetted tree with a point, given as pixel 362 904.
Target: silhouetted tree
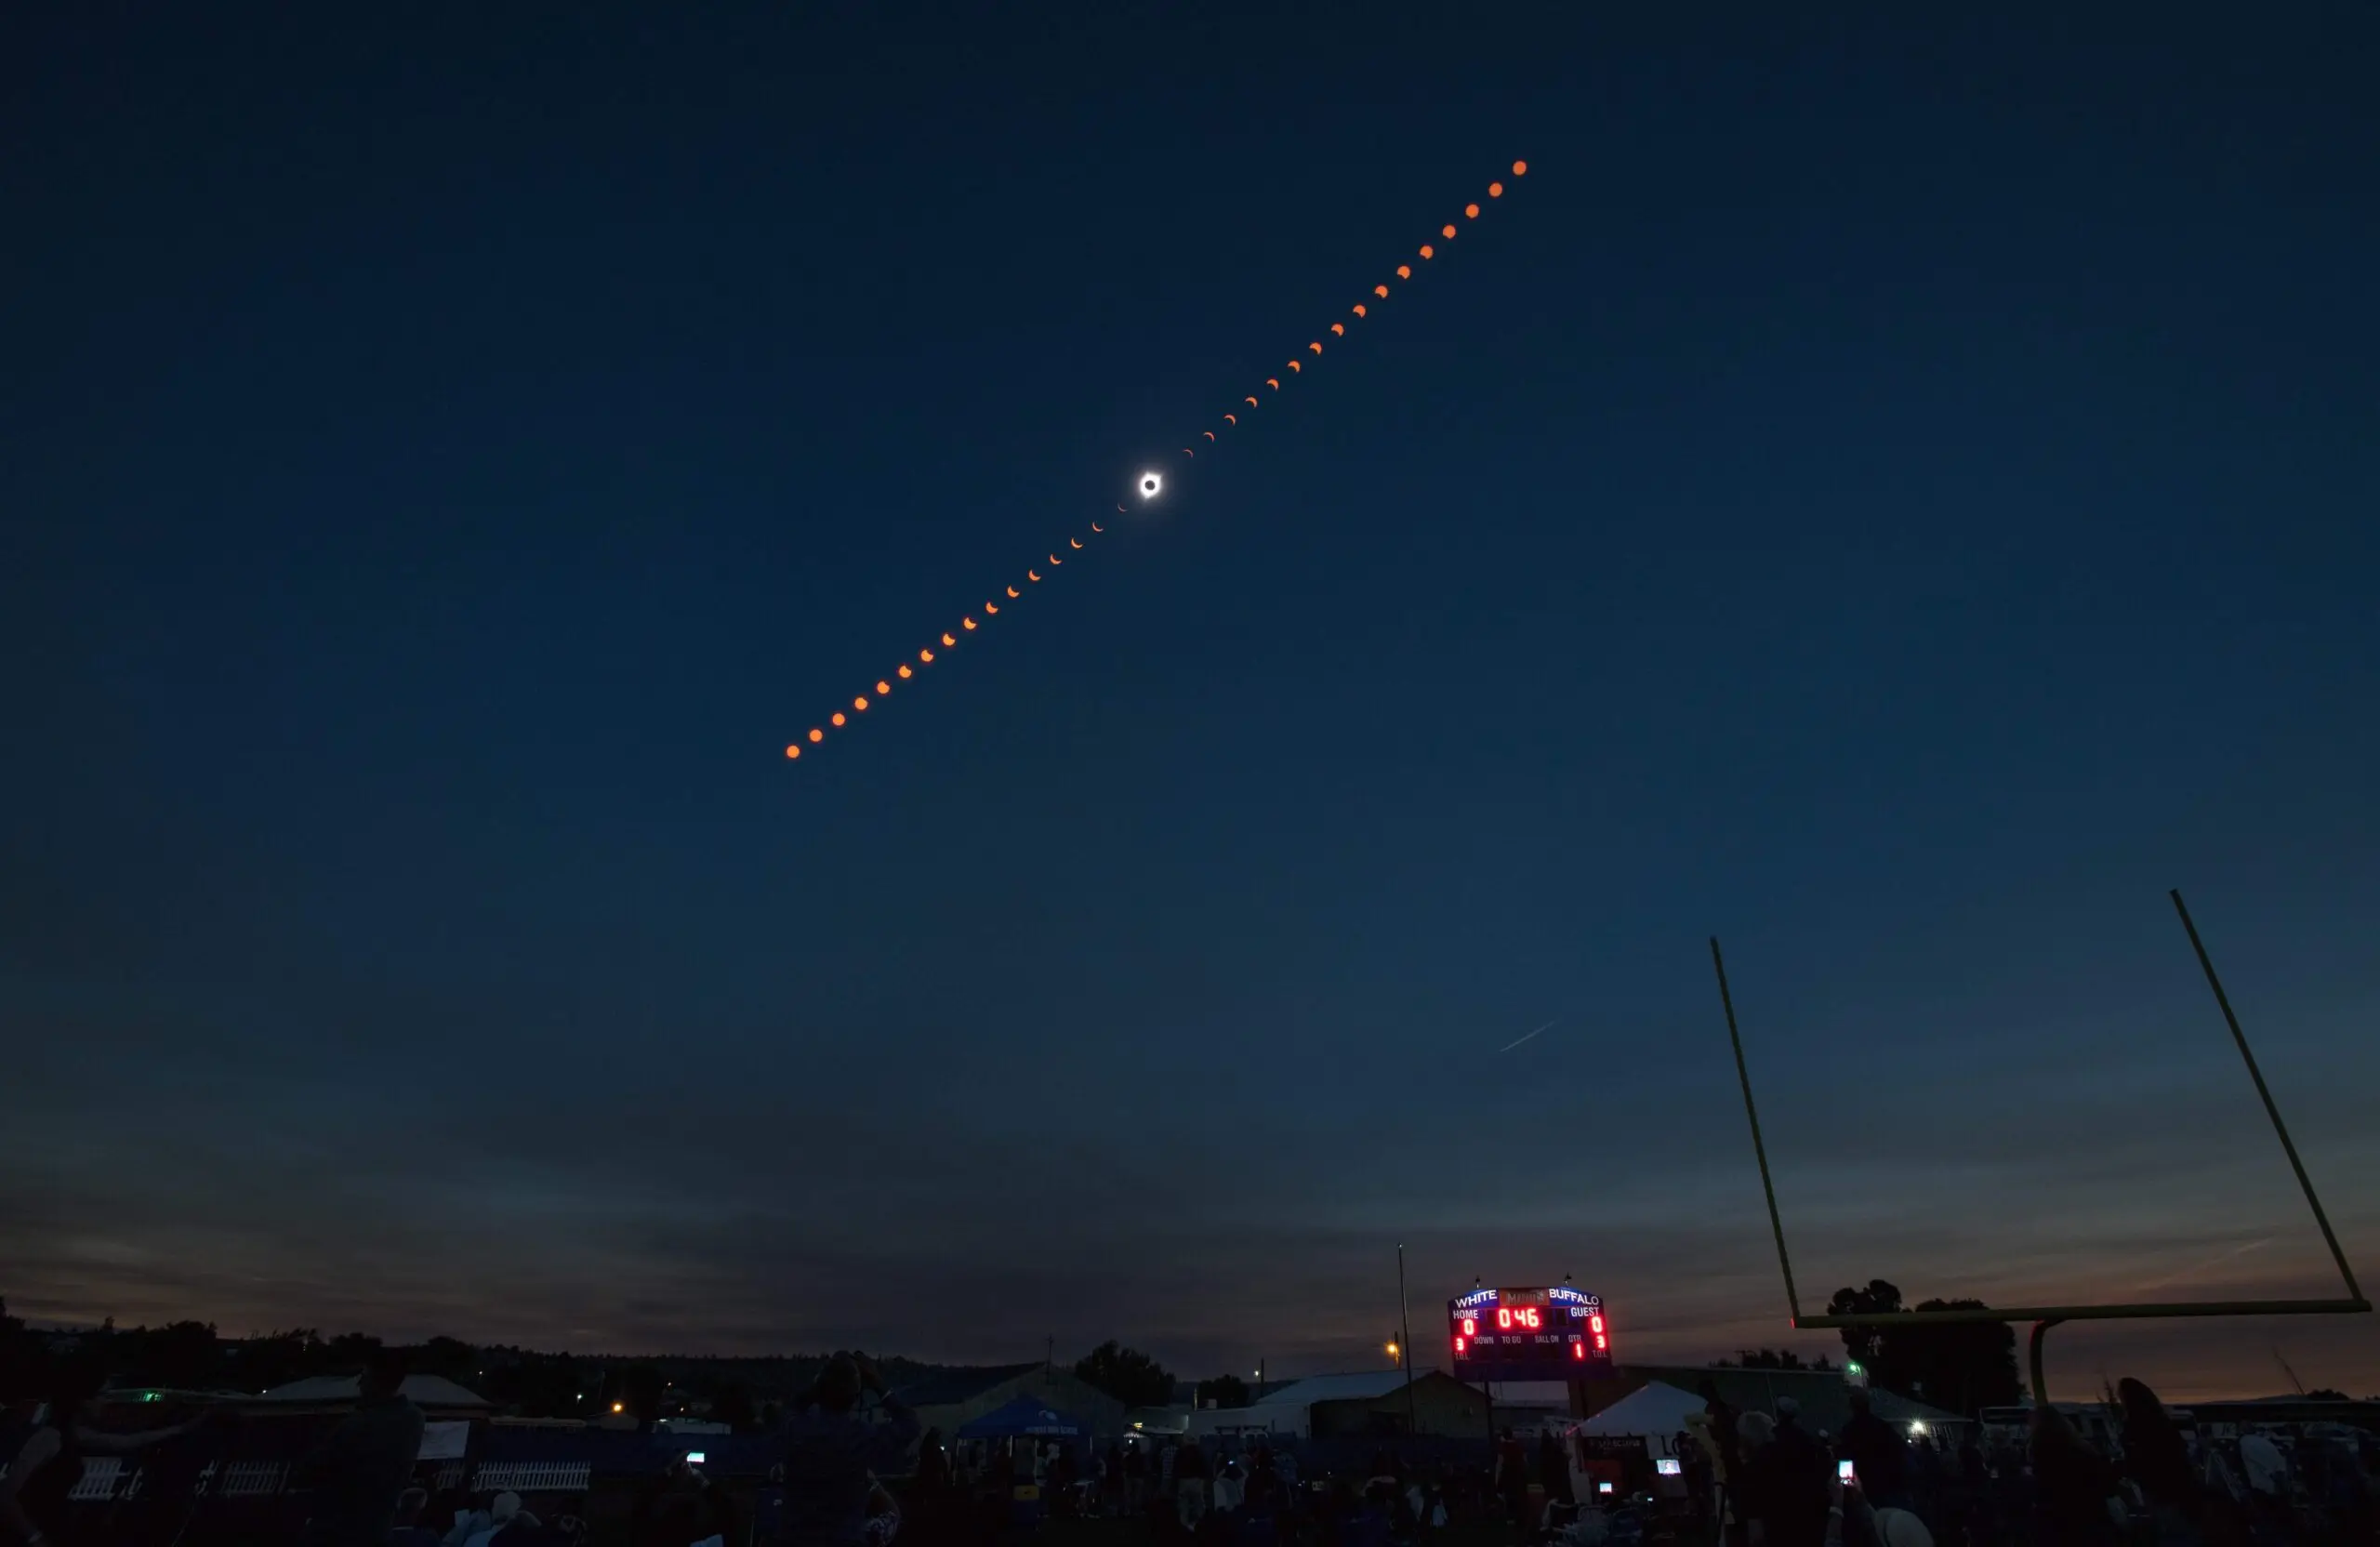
pixel 733 1405
pixel 1865 1344
pixel 261 1364
pixel 349 1352
pixel 1126 1374
pixel 1764 1358
pixel 1223 1391
pixel 535 1385
pixel 451 1358
pixel 2324 1394
pixel 1961 1365
pixel 643 1386
pixel 24 1360
pixel 181 1354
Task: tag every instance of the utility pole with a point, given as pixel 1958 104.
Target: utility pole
pixel 1405 1349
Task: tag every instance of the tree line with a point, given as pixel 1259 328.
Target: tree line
pixel 193 1356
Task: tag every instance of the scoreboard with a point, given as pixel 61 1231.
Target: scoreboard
pixel 1550 1335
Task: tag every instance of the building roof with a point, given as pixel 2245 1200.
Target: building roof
pixel 424 1390
pixel 952 1386
pixel 1362 1386
pixel 1893 1408
pixel 1824 1395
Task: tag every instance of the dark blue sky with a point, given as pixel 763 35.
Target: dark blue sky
pixel 1895 495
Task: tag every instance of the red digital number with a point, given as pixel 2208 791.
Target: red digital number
pixel 1594 1323
pixel 1469 1327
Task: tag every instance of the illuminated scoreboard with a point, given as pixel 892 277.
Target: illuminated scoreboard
pixel 1556 1334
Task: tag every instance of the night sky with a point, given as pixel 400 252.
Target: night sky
pixel 1897 495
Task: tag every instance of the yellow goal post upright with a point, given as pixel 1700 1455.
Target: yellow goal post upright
pixel 2043 1317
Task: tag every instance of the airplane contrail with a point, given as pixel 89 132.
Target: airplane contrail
pixel 1510 1046
pixel 2210 1262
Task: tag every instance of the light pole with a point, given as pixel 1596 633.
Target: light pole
pixel 1404 1323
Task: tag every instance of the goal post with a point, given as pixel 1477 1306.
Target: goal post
pixel 2043 1317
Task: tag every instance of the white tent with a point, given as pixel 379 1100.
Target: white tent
pixel 1656 1411
pixel 428 1392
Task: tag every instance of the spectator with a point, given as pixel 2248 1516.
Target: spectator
pixel 1755 1487
pixel 933 1465
pixel 1511 1478
pixel 2218 1479
pixel 1727 1458
pixel 883 1515
pixel 1191 1495
pixel 1136 1477
pixel 407 1529
pixel 831 1453
pixel 2155 1458
pixel 469 1523
pixel 1693 1447
pixel 358 1472
pixel 684 1507
pixel 1004 1470
pixel 1369 1519
pixel 1231 1487
pixel 1063 1473
pixel 1926 1476
pixel 2072 1484
pixel 455 1504
pixel 1552 1468
pixel 481 1527
pixel 1885 1528
pixel 2346 1491
pixel 1801 1477
pixel 48 1466
pixel 1264 1481
pixel 2261 1459
pixel 1877 1454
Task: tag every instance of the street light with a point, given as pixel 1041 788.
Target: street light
pixel 1395 1353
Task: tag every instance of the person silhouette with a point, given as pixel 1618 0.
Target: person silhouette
pixel 832 1455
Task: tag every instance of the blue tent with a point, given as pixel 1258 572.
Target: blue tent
pixel 1025 1415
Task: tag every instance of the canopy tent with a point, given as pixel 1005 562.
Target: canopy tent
pixel 1024 1416
pixel 1656 1411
